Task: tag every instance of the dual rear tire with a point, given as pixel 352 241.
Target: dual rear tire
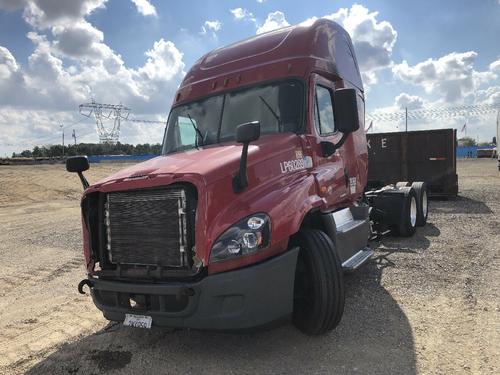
pixel 414 208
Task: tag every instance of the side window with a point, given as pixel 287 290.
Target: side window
pixel 323 111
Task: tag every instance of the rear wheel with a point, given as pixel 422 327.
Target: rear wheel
pixel 319 284
pixel 422 202
pixel 408 219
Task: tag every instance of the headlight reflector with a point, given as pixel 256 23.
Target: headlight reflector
pixel 245 237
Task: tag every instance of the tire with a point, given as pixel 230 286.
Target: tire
pixel 319 284
pixel 401 184
pixel 422 202
pixel 408 219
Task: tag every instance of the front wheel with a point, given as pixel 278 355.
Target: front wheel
pixel 319 284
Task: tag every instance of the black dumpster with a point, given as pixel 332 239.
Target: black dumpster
pixel 426 155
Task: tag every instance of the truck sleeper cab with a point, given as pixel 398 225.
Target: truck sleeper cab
pixel 257 205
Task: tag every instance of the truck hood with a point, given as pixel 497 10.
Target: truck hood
pixel 212 163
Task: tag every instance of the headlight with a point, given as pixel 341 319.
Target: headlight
pixel 246 237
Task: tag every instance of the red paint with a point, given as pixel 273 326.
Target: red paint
pixel 302 52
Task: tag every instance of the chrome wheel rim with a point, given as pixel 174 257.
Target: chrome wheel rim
pixel 424 204
pixel 413 211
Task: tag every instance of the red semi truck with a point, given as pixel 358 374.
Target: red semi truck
pixel 257 205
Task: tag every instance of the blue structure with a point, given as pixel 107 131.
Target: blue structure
pixel 470 151
pixel 122 158
pixel 462 152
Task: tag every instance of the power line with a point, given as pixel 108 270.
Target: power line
pixel 146 121
pixel 434 113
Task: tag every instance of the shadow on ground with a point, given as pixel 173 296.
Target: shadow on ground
pixel 374 337
pixel 460 205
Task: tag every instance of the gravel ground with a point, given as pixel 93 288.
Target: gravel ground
pixel 426 305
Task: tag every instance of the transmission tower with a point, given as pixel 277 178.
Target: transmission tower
pixel 116 112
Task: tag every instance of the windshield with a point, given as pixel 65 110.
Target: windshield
pixel 277 106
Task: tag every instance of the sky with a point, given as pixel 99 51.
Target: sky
pixel 55 55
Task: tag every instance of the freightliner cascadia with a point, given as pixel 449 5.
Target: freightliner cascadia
pixel 257 205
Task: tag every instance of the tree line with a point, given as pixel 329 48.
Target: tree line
pixel 53 151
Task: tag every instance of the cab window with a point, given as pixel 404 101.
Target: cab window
pixel 323 111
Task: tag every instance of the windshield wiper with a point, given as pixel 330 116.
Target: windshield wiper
pixel 198 132
pixel 272 111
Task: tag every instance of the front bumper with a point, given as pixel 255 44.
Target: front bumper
pixel 245 298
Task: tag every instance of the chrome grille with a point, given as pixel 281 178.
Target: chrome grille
pixel 147 227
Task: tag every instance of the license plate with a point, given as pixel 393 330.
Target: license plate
pixel 138 321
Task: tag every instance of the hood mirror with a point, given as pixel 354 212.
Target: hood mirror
pixel 245 133
pixel 78 164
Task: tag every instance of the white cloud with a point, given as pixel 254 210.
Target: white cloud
pixel 11 5
pixel 275 20
pixel 495 65
pixel 211 27
pixel 373 39
pixel 451 76
pixel 47 13
pixel 164 61
pixel 490 95
pixel 145 8
pixel 405 100
pixel 242 14
pixel 79 39
pixel 70 63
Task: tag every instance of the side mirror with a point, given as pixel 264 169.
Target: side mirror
pixel 346 110
pixel 248 132
pixel 78 164
pixel 245 133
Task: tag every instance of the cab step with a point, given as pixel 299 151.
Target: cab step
pixel 357 260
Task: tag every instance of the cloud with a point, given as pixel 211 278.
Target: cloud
pixel 164 62
pixel 405 100
pixel 145 8
pixel 451 76
pixel 78 39
pixel 495 65
pixel 212 27
pixel 69 64
pixel 46 13
pixel 489 95
pixel 242 14
pixel 275 20
pixel 373 39
pixel 11 5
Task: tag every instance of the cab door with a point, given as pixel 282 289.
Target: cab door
pixel 331 175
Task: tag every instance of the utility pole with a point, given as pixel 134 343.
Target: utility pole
pixel 406 119
pixel 61 126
